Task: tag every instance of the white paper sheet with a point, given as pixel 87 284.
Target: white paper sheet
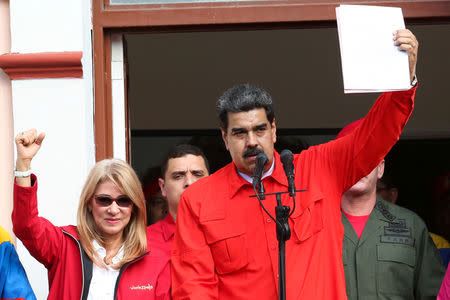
pixel 370 60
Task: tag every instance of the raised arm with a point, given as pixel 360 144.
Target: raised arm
pixel 40 236
pixel 355 155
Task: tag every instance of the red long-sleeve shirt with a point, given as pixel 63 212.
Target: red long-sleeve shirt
pixel 225 245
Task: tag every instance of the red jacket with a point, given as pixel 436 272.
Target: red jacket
pixel 70 269
pixel 225 245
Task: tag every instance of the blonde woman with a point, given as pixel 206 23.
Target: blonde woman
pixel 107 255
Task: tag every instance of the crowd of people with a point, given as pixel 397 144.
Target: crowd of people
pixel 202 236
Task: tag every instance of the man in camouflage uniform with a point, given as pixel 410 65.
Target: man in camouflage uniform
pixel 387 251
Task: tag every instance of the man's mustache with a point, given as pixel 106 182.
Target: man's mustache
pixel 252 152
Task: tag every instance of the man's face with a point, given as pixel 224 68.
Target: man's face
pixel 368 184
pixel 248 134
pixel 181 172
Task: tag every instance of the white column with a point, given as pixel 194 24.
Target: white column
pixel 6 125
pixel 118 97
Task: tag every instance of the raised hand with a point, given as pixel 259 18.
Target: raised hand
pixel 406 41
pixel 28 144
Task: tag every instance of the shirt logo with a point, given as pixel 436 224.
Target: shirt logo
pixel 142 287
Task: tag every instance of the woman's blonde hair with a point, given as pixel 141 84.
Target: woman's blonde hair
pixel 134 234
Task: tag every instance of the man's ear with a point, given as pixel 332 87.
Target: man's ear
pixel 380 168
pixel 224 137
pixel 161 184
pixel 274 131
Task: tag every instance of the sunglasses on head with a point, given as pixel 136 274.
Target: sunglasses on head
pixel 105 200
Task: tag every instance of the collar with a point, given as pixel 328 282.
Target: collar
pixel 168 227
pixel 237 182
pixel 382 212
pixel 101 253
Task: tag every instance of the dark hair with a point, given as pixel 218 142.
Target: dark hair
pixel 244 97
pixel 180 151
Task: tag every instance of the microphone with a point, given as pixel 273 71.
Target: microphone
pixel 260 162
pixel 287 157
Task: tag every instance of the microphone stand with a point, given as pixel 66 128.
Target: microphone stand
pixel 283 234
pixel 282 214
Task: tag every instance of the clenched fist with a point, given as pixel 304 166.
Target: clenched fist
pixel 28 144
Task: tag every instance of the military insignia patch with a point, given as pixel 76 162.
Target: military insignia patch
pixel 397 233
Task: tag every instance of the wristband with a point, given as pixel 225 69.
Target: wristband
pixel 22 174
pixel 414 82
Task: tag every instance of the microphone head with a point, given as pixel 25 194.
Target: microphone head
pixel 260 162
pixel 286 158
pixel 261 158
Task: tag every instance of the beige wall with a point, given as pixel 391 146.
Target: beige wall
pixel 6 125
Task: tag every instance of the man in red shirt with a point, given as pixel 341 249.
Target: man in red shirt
pixel 183 165
pixel 225 245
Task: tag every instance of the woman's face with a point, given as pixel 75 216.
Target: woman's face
pixel 111 210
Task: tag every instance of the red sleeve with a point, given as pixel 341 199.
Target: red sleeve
pixel 352 157
pixel 193 273
pixel 444 292
pixel 42 239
